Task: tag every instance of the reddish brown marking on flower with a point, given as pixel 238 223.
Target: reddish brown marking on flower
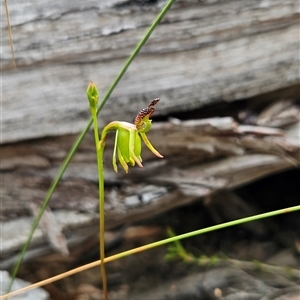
pixel 145 111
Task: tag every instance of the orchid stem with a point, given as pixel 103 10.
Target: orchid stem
pixel 80 138
pixel 99 150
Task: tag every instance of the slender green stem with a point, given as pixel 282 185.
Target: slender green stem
pixel 81 136
pixel 154 245
pixel 99 151
pixel 136 50
pixel 204 230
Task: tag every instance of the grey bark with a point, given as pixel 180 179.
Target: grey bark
pixel 238 155
pixel 201 53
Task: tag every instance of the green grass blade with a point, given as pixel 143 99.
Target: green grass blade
pixel 136 51
pixel 204 230
pixel 45 202
pixel 154 245
pixel 81 137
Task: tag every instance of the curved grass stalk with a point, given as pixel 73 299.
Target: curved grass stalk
pixel 9 31
pixel 81 136
pixel 154 245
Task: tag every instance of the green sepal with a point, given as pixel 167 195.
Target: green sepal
pixel 149 145
pixel 123 138
pixel 138 146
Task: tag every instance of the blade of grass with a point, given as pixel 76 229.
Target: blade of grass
pixel 10 34
pixel 81 136
pixel 153 245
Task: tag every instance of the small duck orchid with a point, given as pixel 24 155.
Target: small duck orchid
pixel 128 145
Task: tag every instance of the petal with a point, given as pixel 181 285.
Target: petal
pixel 114 158
pixel 149 145
pixel 132 139
pixel 122 161
pixel 137 145
pixel 123 141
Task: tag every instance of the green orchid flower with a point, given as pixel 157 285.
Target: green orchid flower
pixel 128 145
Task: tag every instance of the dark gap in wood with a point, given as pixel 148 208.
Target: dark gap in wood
pixel 252 105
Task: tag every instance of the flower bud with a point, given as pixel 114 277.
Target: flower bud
pixel 92 95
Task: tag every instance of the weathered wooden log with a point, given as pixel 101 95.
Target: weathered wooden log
pixel 236 154
pixel 202 53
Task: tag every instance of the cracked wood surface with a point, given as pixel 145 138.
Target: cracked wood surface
pixel 227 156
pixel 201 53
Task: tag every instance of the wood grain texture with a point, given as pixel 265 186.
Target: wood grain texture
pixel 201 53
pixel 201 158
